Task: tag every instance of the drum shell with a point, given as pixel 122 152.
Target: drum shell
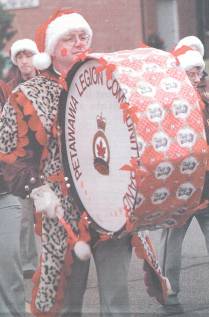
pixel 167 155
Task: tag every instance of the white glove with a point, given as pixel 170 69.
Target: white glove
pixel 45 200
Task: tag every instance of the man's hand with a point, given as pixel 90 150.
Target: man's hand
pixel 46 201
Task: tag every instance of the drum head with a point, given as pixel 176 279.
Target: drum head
pixel 97 143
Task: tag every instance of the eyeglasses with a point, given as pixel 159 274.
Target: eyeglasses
pixel 74 38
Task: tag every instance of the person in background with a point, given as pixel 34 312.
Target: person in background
pixel 22 69
pixel 154 40
pixel 12 301
pixel 22 52
pixel 36 156
pixel 191 52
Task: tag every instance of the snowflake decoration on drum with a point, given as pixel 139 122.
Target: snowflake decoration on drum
pixel 101 149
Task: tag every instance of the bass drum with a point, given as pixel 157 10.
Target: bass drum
pixel 133 140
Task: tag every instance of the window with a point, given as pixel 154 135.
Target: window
pixel 19 4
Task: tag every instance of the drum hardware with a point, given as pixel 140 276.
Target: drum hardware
pixel 32 181
pixel 132 217
pixel 59 134
pixel 67 184
pixel 108 234
pixel 27 188
pixel 59 129
pixel 87 220
pixel 42 178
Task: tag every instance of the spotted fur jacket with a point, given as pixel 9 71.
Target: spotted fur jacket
pixel 29 138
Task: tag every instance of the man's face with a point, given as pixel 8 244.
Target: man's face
pixel 69 46
pixel 24 61
pixel 195 75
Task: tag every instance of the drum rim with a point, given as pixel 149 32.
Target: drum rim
pixel 61 121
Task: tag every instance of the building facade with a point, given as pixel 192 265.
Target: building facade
pixel 121 24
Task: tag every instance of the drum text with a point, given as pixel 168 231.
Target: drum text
pixel 132 136
pixel 71 137
pixel 87 78
pixel 116 90
pixel 130 196
pixel 90 77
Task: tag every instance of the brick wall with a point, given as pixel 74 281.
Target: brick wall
pixel 187 18
pixel 149 17
pixel 116 24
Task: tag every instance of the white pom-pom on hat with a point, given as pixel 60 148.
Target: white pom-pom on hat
pixel 41 61
pixel 82 250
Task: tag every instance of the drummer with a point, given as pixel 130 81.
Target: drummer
pixel 172 239
pixel 32 147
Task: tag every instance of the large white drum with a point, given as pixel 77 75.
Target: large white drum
pixel 134 140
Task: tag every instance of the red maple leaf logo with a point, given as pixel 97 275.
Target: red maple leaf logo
pixel 101 150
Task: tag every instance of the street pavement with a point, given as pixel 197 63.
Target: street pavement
pixel 194 294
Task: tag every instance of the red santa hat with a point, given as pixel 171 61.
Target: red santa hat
pixel 193 42
pixel 49 33
pixel 20 46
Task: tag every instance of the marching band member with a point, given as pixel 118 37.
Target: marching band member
pixel 12 301
pixel 18 254
pixel 31 143
pixel 172 239
pixel 22 52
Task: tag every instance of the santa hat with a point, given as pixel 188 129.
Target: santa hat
pixel 49 33
pixel 22 45
pixel 193 42
pixel 190 59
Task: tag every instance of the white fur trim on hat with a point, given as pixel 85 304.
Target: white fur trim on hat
pixel 193 42
pixel 22 45
pixel 61 26
pixel 191 59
